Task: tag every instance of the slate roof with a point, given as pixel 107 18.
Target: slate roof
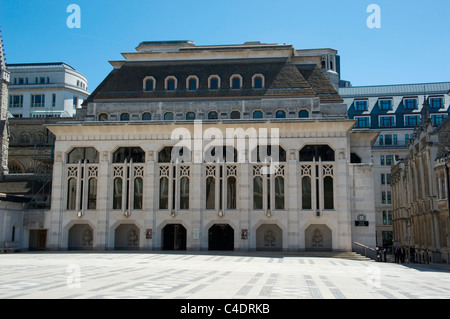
pixel 282 79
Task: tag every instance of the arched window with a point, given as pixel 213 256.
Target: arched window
pixel 306 192
pixel 192 83
pixel 184 193
pixel 231 192
pixel 147 116
pixel 279 192
pixel 82 173
pixel 138 193
pixel 258 81
pixel 171 83
pixel 280 114
pixel 170 154
pixel 214 82
pixel 149 83
pixel 310 152
pixel 257 114
pixel 102 117
pixel 168 116
pixel 25 138
pixel 124 117
pixel 39 139
pixel 235 115
pixel 83 154
pixel 135 154
pixel 210 192
pixel 236 82
pixel 303 114
pixel 268 153
pixel 213 115
pixel 163 193
pixel 258 192
pixel 128 172
pixel 190 116
pixel 328 192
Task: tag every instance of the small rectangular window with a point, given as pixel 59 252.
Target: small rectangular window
pixel 387 121
pixel 410 104
pixel 362 122
pixel 361 105
pixel 386 105
pixel 436 102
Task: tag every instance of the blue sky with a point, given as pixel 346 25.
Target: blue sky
pixel 412 45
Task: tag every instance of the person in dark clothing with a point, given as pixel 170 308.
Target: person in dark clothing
pixel 412 254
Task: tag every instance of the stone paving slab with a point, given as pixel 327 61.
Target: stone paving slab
pixel 213 276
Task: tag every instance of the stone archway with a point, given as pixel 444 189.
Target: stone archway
pixel 174 237
pixel 221 237
pixel 81 237
pixel 269 237
pixel 126 237
pixel 318 238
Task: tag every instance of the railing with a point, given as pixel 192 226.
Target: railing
pixel 364 250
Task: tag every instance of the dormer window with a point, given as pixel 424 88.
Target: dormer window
pixel 213 115
pixel 171 83
pixel 258 81
pixel 214 82
pixel 236 82
pixel 149 83
pixel 192 83
pixel 280 114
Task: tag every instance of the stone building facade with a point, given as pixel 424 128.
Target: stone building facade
pixel 394 111
pixel 420 195
pixel 234 147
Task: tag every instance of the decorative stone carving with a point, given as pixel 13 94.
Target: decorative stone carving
pixel 317 239
pixel 133 238
pixel 269 239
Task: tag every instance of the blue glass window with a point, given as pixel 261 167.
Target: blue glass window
pixel 190 116
pixel 125 116
pixel 361 105
pixel 387 121
pixel 258 83
pixel 236 83
pixel 149 85
pixel 214 85
pixel 171 85
pixel 436 102
pixel 386 104
pixel 168 116
pixel 437 119
pixel 213 115
pixel 192 84
pixel 362 122
pixel 410 104
pixel 303 114
pixel 258 115
pixel 280 114
pixel 412 120
pixel 146 116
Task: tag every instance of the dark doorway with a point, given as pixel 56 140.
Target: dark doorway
pixel 174 237
pixel 221 237
pixel 37 239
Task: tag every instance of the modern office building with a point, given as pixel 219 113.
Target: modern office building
pixel 45 90
pixel 394 111
pixel 229 147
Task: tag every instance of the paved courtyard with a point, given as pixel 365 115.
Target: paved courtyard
pixel 213 276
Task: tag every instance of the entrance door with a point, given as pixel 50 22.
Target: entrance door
pixel 37 239
pixel 221 237
pixel 42 239
pixel 174 237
